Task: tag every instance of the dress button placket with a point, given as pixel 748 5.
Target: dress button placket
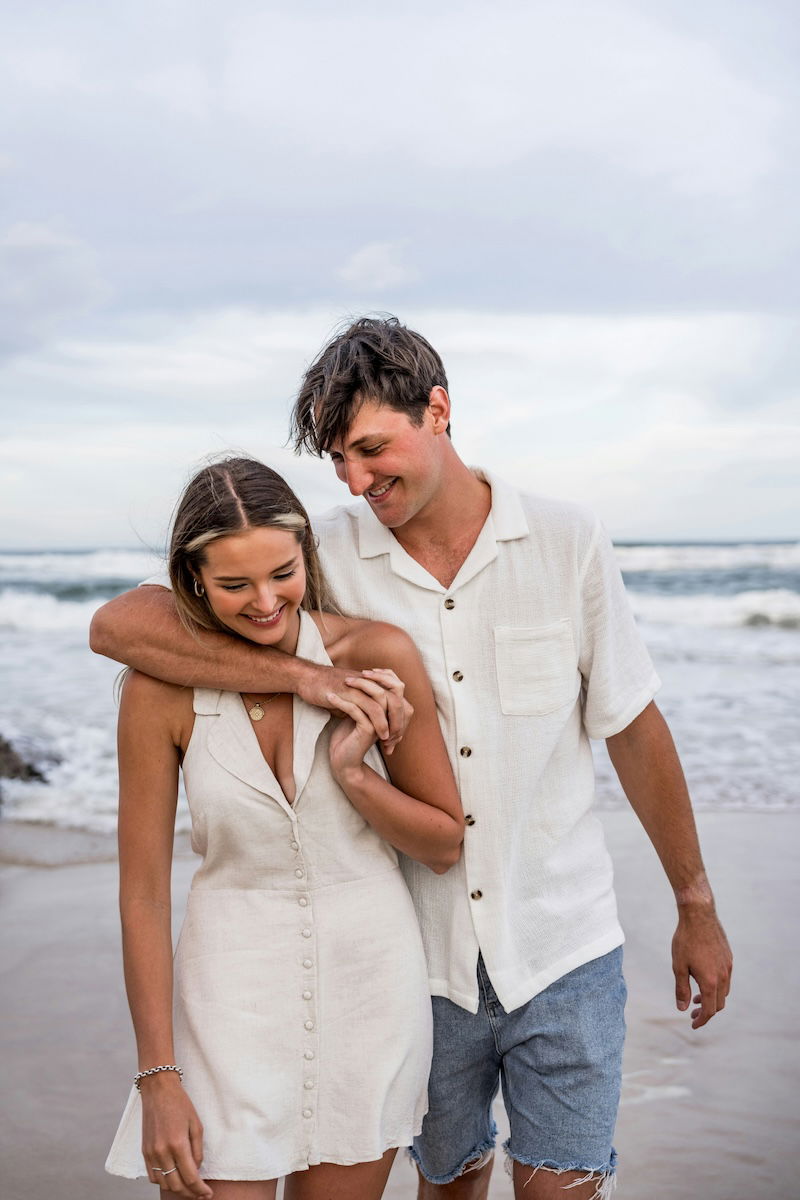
pixel 307 993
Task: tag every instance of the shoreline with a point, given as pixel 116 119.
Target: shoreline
pixel 714 1107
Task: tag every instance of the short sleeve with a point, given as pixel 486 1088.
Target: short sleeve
pixel 619 679
pixel 160 580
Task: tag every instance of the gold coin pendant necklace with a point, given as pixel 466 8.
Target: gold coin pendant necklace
pixel 256 712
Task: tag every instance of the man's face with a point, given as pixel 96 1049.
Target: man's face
pixel 390 461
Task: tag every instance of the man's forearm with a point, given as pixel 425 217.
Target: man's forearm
pixel 142 629
pixel 647 763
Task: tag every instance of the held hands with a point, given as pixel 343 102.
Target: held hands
pixel 355 734
pixel 379 699
pixel 700 949
pixel 172 1139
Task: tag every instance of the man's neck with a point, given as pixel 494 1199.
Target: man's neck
pixel 441 536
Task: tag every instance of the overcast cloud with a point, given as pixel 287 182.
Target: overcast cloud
pixel 590 207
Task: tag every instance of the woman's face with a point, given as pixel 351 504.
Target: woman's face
pixel 255 582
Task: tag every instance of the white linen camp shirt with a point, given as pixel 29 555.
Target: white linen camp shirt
pixel 531 651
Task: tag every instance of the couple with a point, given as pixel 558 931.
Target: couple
pixel 298 977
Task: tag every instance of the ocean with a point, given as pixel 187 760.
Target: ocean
pixel 722 622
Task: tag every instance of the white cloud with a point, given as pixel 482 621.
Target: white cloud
pixel 377 267
pixel 490 87
pixel 626 415
pixel 46 278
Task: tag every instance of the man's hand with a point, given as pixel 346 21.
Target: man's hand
pixel 382 703
pixel 700 950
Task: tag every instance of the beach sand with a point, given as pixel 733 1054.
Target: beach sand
pixel 711 1113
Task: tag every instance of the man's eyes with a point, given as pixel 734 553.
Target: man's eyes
pixel 337 458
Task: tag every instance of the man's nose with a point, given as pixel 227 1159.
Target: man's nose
pixel 358 477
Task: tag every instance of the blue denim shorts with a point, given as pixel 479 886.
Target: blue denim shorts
pixel 559 1060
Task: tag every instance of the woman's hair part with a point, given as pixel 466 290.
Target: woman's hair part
pixel 229 497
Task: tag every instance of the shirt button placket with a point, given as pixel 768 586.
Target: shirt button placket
pixel 461 698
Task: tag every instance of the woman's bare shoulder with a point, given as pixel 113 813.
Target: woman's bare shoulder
pixel 360 644
pixel 142 695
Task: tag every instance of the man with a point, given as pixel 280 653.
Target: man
pixel 519 612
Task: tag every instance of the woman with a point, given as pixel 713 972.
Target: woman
pixel 299 1014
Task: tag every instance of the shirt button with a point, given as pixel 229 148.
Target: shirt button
pixel 449 603
pixel 303 902
pixel 476 895
pixel 458 676
pixel 469 819
pixel 299 872
pixel 307 1112
pixel 308 1025
pixel 465 751
pixel 294 846
pixel 308 1085
pixel 307 963
pixel 306 995
pixel 306 933
pixel 309 1054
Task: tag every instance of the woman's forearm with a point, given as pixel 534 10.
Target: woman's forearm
pixel 147 956
pixel 420 830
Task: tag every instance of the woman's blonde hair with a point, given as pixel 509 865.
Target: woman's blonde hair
pixel 229 497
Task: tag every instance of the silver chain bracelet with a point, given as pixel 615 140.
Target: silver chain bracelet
pixel 154 1071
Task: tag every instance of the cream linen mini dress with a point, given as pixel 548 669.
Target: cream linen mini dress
pixel 302 1016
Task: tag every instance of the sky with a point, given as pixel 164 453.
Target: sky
pixel 589 208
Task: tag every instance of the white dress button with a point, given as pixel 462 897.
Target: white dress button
pixel 308 1085
pixel 307 1112
pixel 308 1025
pixel 299 872
pixel 303 902
pixel 307 963
pixel 294 846
pixel 309 1054
pixel 306 995
pixel 306 933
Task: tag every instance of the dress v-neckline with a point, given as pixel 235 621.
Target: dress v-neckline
pixel 233 741
pixel 258 748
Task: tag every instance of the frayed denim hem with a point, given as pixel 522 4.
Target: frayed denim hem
pixel 605 1177
pixel 477 1157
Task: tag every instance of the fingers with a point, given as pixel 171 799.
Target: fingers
pixel 356 713
pixel 181 1179
pixel 175 1169
pixel 398 710
pixel 372 707
pixel 196 1141
pixel 683 992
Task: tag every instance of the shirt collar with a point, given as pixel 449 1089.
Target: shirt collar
pixel 507 513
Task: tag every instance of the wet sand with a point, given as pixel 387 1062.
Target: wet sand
pixel 711 1113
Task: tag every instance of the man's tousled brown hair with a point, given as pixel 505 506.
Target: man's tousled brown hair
pixel 374 358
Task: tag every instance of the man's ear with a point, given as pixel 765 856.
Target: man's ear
pixel 439 408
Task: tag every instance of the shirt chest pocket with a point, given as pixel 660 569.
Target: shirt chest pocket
pixel 537 671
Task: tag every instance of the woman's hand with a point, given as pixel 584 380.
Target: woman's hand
pixel 385 707
pixel 172 1138
pixel 356 733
